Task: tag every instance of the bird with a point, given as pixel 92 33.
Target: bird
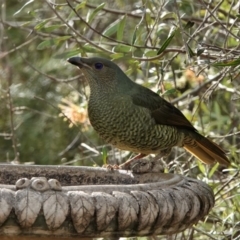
pixel 132 117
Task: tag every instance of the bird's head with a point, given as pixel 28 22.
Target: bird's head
pixel 101 73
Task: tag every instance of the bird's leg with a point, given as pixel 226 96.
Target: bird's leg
pixel 125 165
pixel 129 161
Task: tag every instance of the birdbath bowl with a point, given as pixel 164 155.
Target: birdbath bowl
pixel 98 202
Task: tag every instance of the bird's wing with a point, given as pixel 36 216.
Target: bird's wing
pixel 162 111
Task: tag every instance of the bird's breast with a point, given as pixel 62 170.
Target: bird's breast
pixel 127 126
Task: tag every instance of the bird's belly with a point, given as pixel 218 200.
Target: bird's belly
pixel 135 132
pixel 154 140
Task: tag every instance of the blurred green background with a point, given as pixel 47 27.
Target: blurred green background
pixel 187 51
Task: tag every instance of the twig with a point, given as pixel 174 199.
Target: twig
pixel 182 30
pixel 76 32
pixel 227 183
pixel 210 236
pixel 3 54
pixel 11 111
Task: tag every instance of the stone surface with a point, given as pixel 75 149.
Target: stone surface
pixel 98 202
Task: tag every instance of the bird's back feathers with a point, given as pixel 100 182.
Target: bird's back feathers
pixel 160 120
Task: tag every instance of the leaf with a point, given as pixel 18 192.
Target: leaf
pixel 82 209
pixel 53 27
pixel 112 28
pixel 188 25
pixel 91 16
pixel 105 209
pixel 148 18
pixel 201 167
pixel 27 3
pixel 46 44
pixel 200 50
pixel 104 155
pixel 116 27
pixel 50 42
pixel 80 5
pixel 63 38
pixel 28 206
pixel 213 170
pixel 168 15
pixel 122 48
pixel 128 209
pixel 91 49
pixel 232 63
pixel 116 56
pixel 149 214
pixel 55 208
pixel 26 24
pixel 7 197
pixel 68 54
pixel 166 43
pixel 42 24
pixel 190 52
pixel 121 27
pixel 169 92
pixel 150 53
pixel 134 35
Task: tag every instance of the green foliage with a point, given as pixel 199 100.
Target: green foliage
pixel 187 52
pixel 166 43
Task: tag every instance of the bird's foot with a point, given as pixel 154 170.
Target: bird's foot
pixel 111 167
pixel 128 164
pixel 140 165
pixel 125 166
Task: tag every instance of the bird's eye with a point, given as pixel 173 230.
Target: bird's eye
pixel 98 66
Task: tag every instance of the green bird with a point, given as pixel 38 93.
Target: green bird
pixel 134 118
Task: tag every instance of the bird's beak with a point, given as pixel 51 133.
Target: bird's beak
pixel 76 61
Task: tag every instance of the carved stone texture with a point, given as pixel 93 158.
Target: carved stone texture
pixel 113 203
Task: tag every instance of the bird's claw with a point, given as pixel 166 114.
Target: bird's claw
pixel 111 167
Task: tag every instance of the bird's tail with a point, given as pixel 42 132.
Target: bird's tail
pixel 206 150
